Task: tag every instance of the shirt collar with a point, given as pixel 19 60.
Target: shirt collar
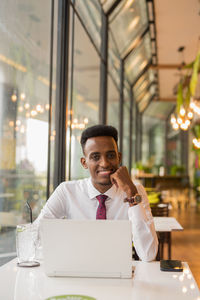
pixel 93 192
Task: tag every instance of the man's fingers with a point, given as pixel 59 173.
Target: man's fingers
pixel 114 181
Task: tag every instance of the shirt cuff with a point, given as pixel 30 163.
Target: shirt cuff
pixel 136 213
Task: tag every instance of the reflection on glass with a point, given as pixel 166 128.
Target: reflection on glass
pixel 127 22
pixel 85 95
pixel 90 12
pixel 144 101
pixel 126 127
pixel 113 104
pixel 113 60
pixel 184 289
pixel 138 59
pixel 24 96
pixel 153 137
pixel 107 4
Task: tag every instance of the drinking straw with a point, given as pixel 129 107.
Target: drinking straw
pixel 30 211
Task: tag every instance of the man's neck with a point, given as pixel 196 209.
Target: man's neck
pixel 101 187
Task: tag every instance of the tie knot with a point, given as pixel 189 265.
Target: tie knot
pixel 102 198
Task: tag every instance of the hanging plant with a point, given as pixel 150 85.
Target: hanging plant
pixel 194 77
pixel 186 105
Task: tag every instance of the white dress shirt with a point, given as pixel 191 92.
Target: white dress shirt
pixel 77 200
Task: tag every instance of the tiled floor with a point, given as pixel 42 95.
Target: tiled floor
pixel 186 243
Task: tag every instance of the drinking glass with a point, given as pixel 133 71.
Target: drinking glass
pixel 26 243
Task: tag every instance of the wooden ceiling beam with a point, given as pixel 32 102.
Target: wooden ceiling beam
pixel 166 66
pixel 169 99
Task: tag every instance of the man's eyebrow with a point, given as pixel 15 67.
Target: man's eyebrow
pixel 92 153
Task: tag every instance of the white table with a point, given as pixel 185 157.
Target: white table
pixel 148 283
pixel 166 224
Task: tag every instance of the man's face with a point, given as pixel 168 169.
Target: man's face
pixel 102 159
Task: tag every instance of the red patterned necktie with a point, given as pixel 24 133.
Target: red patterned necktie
pixel 101 210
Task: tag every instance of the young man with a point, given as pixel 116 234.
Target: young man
pixel 108 194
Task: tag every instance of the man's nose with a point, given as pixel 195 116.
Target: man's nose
pixel 104 162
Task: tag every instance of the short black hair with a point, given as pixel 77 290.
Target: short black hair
pixel 98 130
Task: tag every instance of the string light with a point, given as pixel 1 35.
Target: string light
pixel 33 113
pixel 185 116
pixel 26 105
pixel 22 96
pixel 14 98
pixel 38 107
pixel 47 106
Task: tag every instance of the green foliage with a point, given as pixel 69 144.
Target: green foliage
pixel 194 78
pixel 196 131
pixel 140 166
pixel 189 66
pixel 187 97
pixel 190 80
pixel 177 170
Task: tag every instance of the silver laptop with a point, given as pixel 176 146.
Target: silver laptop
pixel 87 248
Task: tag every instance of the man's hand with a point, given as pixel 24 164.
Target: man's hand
pixel 123 181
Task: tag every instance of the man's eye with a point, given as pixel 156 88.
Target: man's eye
pixel 111 155
pixel 95 157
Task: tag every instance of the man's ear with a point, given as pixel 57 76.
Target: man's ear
pixel 83 162
pixel 120 157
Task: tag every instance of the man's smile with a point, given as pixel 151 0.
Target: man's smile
pixel 105 172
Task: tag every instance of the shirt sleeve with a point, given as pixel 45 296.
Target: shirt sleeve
pixel 55 207
pixel 144 235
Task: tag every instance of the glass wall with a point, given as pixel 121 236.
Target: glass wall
pixel 153 144
pixel 113 104
pixel 85 95
pixel 126 127
pixel 29 95
pixel 24 113
pixel 174 150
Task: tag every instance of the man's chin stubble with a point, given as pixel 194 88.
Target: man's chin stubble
pixel 105 183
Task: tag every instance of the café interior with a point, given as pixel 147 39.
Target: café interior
pixel 132 64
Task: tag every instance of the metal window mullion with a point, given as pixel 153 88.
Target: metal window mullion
pixel 140 137
pixel 131 130
pixel 50 100
pixel 121 106
pixel 136 117
pixel 103 70
pixel 61 91
pixel 71 92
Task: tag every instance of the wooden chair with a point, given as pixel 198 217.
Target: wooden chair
pixel 162 210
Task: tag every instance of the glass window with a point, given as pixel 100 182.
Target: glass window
pixel 145 101
pixel 174 150
pixel 90 13
pixel 53 101
pixel 153 143
pixel 107 4
pixel 113 60
pixel 113 104
pixel 145 80
pixel 138 59
pixel 24 108
pixel 85 95
pixel 126 127
pixel 127 22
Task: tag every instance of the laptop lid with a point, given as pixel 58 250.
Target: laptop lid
pixel 87 248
